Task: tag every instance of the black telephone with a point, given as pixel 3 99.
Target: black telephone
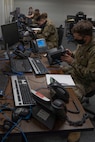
pixel 58 91
pixel 21 52
pixel 54 55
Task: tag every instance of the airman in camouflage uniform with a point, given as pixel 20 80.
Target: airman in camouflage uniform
pixel 81 64
pixel 82 61
pixel 48 31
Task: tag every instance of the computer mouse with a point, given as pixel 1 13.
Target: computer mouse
pixel 58 104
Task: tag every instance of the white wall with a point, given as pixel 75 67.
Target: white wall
pixel 5 7
pixel 58 9
pixel 1 14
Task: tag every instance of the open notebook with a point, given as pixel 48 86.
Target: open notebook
pixel 65 80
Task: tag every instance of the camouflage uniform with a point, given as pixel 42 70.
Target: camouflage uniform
pixel 82 68
pixel 49 32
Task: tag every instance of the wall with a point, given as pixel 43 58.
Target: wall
pixel 58 9
pixel 1 14
pixel 5 7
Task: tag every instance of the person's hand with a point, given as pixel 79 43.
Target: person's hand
pixel 35 31
pixel 69 52
pixel 67 58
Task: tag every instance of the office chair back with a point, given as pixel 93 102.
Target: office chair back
pixel 90 94
pixel 60 30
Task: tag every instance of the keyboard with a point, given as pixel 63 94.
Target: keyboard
pixel 21 91
pixel 21 65
pixel 38 66
pixel 3 83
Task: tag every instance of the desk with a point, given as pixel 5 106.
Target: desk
pixel 33 127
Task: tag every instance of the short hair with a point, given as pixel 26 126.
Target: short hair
pixel 45 14
pixel 83 27
pixel 31 7
pixel 37 10
pixel 42 16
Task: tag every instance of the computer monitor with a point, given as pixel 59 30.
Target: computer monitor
pixel 10 34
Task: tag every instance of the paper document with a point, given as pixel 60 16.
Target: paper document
pixel 36 29
pixel 65 80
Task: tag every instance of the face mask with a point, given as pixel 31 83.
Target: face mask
pixel 80 41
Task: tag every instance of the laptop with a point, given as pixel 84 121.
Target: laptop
pixel 20 65
pixel 27 65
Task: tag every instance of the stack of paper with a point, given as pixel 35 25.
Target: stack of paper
pixel 65 80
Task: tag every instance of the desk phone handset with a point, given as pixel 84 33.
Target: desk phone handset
pixel 34 46
pixel 58 91
pixel 21 52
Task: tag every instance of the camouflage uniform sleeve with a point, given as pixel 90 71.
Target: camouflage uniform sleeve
pixel 85 70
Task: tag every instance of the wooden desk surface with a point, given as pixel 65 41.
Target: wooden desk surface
pixel 33 125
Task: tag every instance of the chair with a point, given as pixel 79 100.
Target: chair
pixel 60 31
pixel 86 102
pixel 69 25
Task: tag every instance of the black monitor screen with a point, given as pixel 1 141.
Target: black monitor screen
pixel 10 33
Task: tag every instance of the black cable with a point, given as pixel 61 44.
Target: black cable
pixel 78 123
pixel 75 112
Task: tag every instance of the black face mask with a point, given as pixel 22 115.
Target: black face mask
pixel 81 41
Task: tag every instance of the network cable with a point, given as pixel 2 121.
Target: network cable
pixel 14 125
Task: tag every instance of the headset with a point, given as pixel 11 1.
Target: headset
pixel 59 109
pixel 58 91
pixel 59 99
